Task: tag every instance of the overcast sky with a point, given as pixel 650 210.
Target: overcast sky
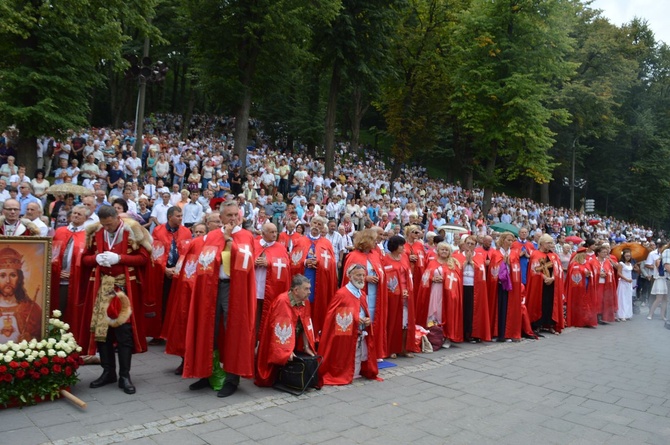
pixel 656 12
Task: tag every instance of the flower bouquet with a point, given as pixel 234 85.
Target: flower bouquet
pixel 32 371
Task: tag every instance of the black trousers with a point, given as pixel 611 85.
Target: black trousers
pixel 468 310
pixel 502 311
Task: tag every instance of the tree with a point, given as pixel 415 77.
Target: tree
pixel 511 56
pixel 51 55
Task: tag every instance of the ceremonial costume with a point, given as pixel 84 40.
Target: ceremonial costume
pixel 281 335
pixel 69 295
pixel 288 240
pixel 509 313
pixel 22 227
pixel 417 267
pixel 523 246
pixel 343 336
pixel 377 294
pixel 401 313
pixel 492 285
pixel 475 308
pixel 579 294
pixel 273 279
pixel 234 332
pixel 323 277
pixel 169 243
pixel 604 285
pixel 442 302
pixel 545 301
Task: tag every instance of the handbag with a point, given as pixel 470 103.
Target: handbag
pixel 299 374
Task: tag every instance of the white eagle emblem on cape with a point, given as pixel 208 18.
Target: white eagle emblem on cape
pixel 177 267
pixel 393 284
pixel 576 278
pixel 425 278
pixel 344 321
pixel 296 257
pixel 55 253
pixel 206 258
pixel 495 271
pixel 283 333
pixel 190 268
pixel 158 251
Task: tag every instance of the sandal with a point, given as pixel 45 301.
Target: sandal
pixel 407 355
pixel 394 355
pixel 553 331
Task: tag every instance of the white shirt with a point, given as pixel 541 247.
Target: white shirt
pixel 338 243
pixel 159 211
pixel 44 230
pixel 192 213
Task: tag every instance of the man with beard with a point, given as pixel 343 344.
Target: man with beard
pixel 20 316
pixel 347 344
pixel 313 257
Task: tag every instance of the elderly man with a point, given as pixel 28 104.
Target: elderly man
pixel 21 316
pixel 288 330
pixel 26 197
pixel 160 209
pixel 347 344
pixel 34 215
pixel 544 291
pixel 11 225
pixel 273 276
pixel 222 321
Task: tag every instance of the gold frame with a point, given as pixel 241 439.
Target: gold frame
pixel 40 249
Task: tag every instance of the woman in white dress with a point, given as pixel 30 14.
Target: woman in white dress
pixel 625 288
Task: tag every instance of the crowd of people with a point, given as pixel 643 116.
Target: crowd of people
pixel 243 268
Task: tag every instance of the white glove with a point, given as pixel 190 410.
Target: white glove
pixel 112 258
pixel 101 259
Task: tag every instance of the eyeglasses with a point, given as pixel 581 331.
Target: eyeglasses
pixel 416 233
pixel 11 210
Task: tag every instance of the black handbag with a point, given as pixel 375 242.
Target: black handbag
pixel 299 374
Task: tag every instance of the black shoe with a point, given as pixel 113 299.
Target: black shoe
pixel 126 385
pixel 180 369
pixel 156 341
pixel 500 340
pixel 200 384
pixel 539 335
pixel 227 390
pixel 105 379
pixel 603 323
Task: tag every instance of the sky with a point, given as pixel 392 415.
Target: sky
pixel 656 12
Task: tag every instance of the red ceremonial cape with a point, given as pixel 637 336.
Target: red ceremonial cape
pixel 396 272
pixel 492 270
pixel 514 298
pixel 419 265
pixel 326 274
pixel 481 322
pixel 288 241
pixel 153 301
pixel 278 275
pixel 606 302
pixel 279 339
pixel 134 256
pixel 339 337
pixel 534 286
pixel 76 295
pixel 381 311
pixel 237 340
pixel 580 296
pixel 176 314
pixel 452 299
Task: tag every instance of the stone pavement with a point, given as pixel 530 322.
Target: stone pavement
pixel 608 385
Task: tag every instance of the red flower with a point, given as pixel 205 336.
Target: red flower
pixel 44 371
pixel 57 369
pixel 37 363
pixel 7 377
pixel 68 371
pixel 3 369
pixel 13 364
pixel 20 374
pixel 45 360
pixel 35 375
pixel 70 359
pixel 25 365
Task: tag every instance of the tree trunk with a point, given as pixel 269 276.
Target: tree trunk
pixel 488 190
pixel 331 116
pixel 395 173
pixel 175 87
pixel 186 121
pixel 359 112
pixel 544 193
pixel 26 154
pixel 242 127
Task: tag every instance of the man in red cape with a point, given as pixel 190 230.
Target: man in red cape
pixel 474 271
pixel 347 344
pixel 604 286
pixel 288 329
pixel 313 257
pixel 492 260
pixel 69 243
pixel 170 241
pixel 524 248
pixel 223 319
pixel 272 271
pixel 117 250
pixel 545 288
pixel 288 237
pixel 366 254
pixel 416 254
pixel 511 329
pixel 579 292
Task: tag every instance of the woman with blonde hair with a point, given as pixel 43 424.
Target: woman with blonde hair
pixel 440 295
pixel 507 317
pixel 415 253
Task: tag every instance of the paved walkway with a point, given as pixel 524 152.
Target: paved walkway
pixel 608 385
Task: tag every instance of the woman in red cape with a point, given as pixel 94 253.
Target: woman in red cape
pixel 415 253
pixel 440 296
pixel 579 293
pixel 401 322
pixel 474 263
pixel 512 317
pixel 366 255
